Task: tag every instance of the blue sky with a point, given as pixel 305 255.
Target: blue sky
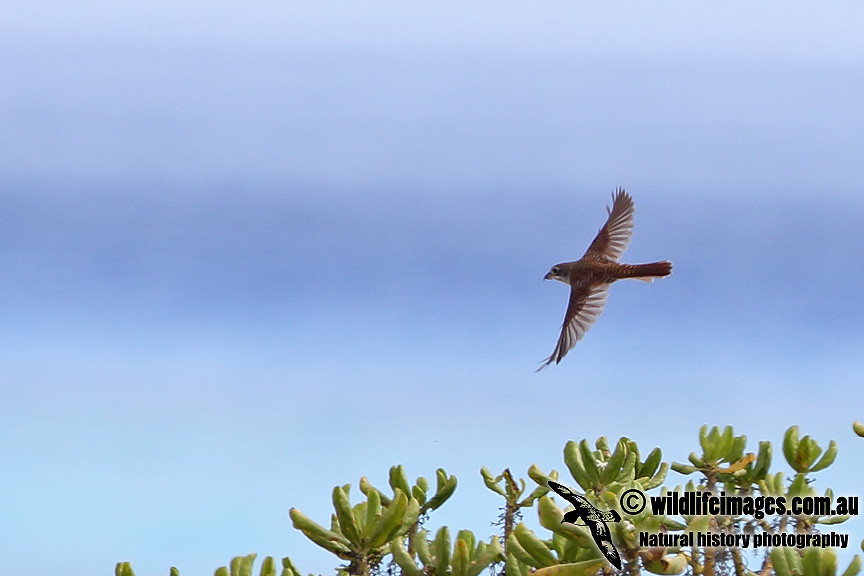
pixel 249 252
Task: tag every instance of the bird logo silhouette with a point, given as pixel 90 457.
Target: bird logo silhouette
pixel 589 277
pixel 593 518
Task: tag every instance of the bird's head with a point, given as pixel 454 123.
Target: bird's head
pixel 558 272
pixel 572 517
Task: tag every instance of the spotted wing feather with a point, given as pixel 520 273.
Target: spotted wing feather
pixel 614 236
pixel 585 306
pixel 603 539
pixel 576 499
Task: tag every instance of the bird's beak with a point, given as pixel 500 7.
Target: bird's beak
pixel 548 276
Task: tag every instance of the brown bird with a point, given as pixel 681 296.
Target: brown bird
pixel 590 276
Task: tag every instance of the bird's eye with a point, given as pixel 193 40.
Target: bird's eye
pixel 556 270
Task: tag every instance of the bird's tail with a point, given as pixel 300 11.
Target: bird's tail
pixel 647 272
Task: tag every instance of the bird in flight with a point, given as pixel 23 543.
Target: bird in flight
pixel 589 277
pixel 593 518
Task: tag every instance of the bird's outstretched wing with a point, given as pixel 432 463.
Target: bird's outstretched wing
pixel 577 500
pixel 585 306
pixel 603 538
pixel 612 239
